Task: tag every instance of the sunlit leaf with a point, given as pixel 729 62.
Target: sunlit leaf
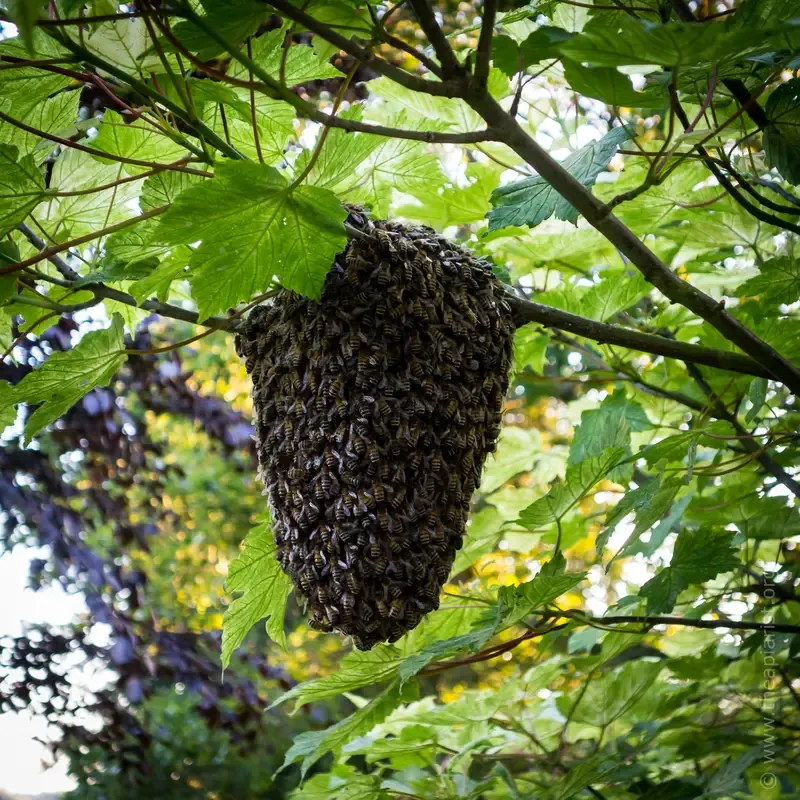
pixel 533 200
pixel 263 587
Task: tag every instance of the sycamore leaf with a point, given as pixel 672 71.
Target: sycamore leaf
pixel 533 200
pixel 355 670
pixel 606 84
pixel 24 14
pixel 624 40
pixel 253 226
pixel 612 695
pixel 126 44
pixel 234 21
pixel 311 746
pixel 581 774
pixel 778 282
pixel 7 411
pixel 135 140
pixel 264 588
pixel 302 63
pixel 563 496
pixel 470 642
pixel 782 136
pixel 699 556
pixel 21 188
pixel 66 377
pixel 517 602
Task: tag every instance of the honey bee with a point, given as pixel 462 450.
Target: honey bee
pixel 384 274
pixel 367 500
pixel 336 387
pixel 384 521
pixel 399 497
pixel 322 595
pixel 384 239
pixel 381 607
pixel 337 573
pixel 379 491
pixel 305 581
pixel 330 458
pixel 332 613
pixel 373 453
pixel 348 604
pixel 397 609
pixel 353 583
pixel 415 462
pixel 319 625
pixel 436 463
pixel 384 409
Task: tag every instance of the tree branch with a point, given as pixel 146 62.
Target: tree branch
pixel 728 185
pixel 273 88
pixel 93 151
pixel 55 249
pixel 369 59
pixel 199 129
pixel 748 445
pixel 733 85
pixel 653 269
pixel 427 20
pixel 525 311
pixel 103 292
pixel 484 55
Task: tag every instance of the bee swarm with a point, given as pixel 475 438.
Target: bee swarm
pixel 375 409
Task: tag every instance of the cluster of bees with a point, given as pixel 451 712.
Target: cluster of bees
pixel 375 409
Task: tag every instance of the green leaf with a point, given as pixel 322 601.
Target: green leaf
pixel 254 226
pixel 620 39
pixel 606 84
pixel 757 395
pixel 699 556
pixel 563 496
pixel 533 200
pixel 343 782
pixel 85 213
pixel 470 642
pixel 606 699
pixel 517 451
pixel 453 205
pixel 24 14
pixel 341 156
pixel 21 188
pixel 530 348
pixel 543 44
pixel 601 429
pixel 234 21
pixel 400 164
pixel 274 120
pixel 355 670
pixel 505 55
pixel 779 282
pixel 311 746
pixel 264 589
pixel 517 602
pixel 302 63
pixel 66 377
pixel 125 44
pixel 782 136
pixel 580 775
pixel 135 140
pixel 163 188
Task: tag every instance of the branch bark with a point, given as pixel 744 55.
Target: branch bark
pixel 367 57
pixel 527 311
pixel 103 292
